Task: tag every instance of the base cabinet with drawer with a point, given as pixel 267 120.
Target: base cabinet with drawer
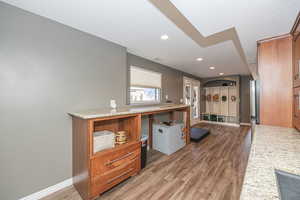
pixel 97 172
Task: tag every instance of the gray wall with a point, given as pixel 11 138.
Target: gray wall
pixel 245 99
pixel 48 69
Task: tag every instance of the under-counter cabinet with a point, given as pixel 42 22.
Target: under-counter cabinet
pixel 96 172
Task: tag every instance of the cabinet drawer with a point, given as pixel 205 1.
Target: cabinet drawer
pixel 110 160
pixel 107 180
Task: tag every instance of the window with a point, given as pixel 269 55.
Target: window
pixel 145 86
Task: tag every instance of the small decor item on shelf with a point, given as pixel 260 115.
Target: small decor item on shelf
pixel 224 98
pixel 216 98
pixel 103 140
pixel 121 137
pixel 208 98
pixel 233 98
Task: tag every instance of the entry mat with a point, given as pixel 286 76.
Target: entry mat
pixel 288 185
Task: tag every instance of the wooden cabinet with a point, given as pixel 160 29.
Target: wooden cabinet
pixel 96 172
pixel 110 178
pixel 107 161
pixel 275 68
pixel 296 81
pixel 296 73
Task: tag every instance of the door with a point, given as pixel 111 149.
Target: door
pixel 191 96
pixel 195 106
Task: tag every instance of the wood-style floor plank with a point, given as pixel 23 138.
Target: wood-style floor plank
pixel 210 170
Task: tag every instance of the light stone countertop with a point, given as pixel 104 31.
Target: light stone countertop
pixel 272 148
pixel 108 112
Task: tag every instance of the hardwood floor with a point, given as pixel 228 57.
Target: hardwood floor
pixel 210 170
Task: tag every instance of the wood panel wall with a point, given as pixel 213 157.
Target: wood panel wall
pixel 275 73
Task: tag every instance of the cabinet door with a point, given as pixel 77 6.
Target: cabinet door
pixel 296 110
pixel 296 55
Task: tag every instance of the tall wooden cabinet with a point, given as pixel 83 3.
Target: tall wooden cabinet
pixel 296 73
pixel 279 75
pixel 275 68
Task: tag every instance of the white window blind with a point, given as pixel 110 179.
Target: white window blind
pixel 144 78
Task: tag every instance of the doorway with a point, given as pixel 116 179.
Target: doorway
pixel 191 96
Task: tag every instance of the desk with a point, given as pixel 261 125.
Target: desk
pixel 96 172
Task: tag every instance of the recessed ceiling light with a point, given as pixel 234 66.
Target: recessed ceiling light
pixel 221 73
pixel 211 67
pixel 199 59
pixel 164 37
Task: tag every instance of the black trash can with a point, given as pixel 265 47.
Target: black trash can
pixel 144 141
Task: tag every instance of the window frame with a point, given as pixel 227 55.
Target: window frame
pixel 146 87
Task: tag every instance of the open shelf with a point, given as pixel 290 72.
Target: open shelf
pixel 130 124
pixel 219 118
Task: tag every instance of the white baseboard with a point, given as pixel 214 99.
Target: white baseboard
pixel 49 190
pixel 245 124
pixel 220 123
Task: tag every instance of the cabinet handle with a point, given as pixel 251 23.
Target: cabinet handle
pixel 117 177
pixel 121 158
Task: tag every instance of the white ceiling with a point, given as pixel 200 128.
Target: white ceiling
pixel 253 19
pixel 138 25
